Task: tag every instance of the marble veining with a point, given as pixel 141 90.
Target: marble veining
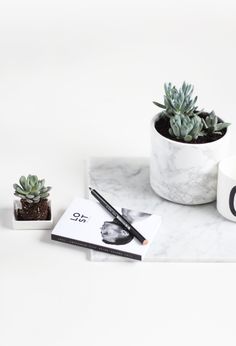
pixel 188 233
pixel 185 173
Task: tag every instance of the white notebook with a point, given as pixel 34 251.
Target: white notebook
pixel 86 223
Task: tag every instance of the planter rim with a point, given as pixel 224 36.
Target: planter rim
pixel 194 145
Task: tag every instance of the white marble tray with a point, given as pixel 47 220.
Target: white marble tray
pixel 187 233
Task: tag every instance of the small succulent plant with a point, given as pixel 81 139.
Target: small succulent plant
pixel 31 189
pixel 178 101
pixel 212 125
pixel 186 122
pixel 185 128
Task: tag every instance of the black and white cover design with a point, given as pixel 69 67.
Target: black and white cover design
pixel 86 223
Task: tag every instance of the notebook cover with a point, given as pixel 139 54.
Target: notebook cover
pixel 86 223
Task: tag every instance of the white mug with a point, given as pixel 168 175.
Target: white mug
pixel 226 188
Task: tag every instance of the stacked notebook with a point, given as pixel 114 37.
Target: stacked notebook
pixel 86 223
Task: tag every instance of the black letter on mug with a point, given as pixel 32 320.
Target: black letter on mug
pixel 231 200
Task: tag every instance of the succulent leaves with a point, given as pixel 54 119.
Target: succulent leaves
pixel 186 122
pixel 31 189
pixel 185 128
pixel 211 124
pixel 178 101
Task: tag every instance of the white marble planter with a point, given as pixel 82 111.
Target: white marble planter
pixel 182 172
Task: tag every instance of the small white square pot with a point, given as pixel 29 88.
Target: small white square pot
pixel 28 224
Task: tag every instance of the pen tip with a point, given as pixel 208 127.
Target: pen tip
pixel 145 242
pixel 90 188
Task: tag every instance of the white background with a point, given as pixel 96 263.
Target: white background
pixel 77 79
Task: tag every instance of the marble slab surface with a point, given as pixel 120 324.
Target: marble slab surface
pixel 187 233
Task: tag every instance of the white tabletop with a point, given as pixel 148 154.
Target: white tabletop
pixel 77 79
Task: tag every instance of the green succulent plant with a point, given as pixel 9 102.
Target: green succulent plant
pixel 185 120
pixel 31 189
pixel 178 101
pixel 186 128
pixel 212 125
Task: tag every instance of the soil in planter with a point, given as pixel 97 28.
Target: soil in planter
pixel 34 211
pixel 162 126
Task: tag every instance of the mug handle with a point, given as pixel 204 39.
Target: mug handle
pixel 231 200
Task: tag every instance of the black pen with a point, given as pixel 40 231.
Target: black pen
pixel 118 216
